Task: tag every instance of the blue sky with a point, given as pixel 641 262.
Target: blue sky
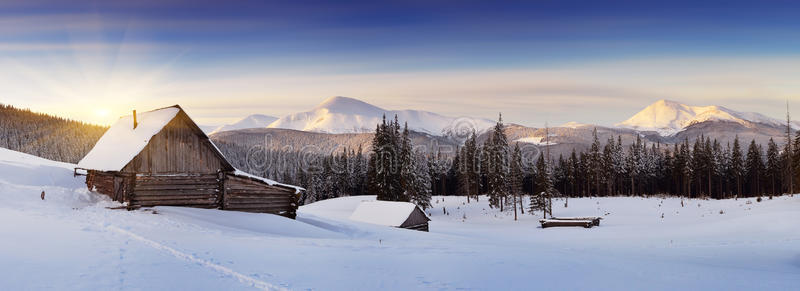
pixel 536 61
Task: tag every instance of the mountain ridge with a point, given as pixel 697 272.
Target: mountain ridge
pixel 250 121
pixel 340 114
pixel 668 117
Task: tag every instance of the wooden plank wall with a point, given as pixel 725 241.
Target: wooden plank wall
pixel 178 148
pixel 200 190
pixel 100 182
pixel 243 194
pixel 419 227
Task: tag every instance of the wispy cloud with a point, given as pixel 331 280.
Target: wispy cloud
pixel 603 93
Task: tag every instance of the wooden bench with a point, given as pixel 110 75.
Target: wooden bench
pixel 556 223
pixel 595 219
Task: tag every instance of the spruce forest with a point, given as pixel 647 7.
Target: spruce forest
pixel 506 172
pixel 46 136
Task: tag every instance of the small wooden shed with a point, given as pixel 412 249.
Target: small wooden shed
pixel 162 158
pixel 391 213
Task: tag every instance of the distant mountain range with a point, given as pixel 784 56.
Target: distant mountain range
pixel 251 121
pixel 348 122
pixel 348 115
pixel 664 122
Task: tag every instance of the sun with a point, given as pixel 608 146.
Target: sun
pixel 101 115
pixel 101 112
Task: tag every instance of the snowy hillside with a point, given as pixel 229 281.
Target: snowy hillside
pixel 72 240
pixel 348 115
pixel 24 169
pixel 252 121
pixel 669 117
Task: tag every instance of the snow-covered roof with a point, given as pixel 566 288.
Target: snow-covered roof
pixel 240 173
pixel 121 143
pixel 388 213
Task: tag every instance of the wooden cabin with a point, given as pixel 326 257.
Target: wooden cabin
pixel 162 158
pixel 391 213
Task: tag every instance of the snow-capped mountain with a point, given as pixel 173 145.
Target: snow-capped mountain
pixel 669 117
pixel 252 121
pixel 348 115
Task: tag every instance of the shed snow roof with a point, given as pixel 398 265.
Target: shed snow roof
pixel 244 174
pixel 388 213
pixel 121 143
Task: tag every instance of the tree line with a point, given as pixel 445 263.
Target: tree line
pixel 506 172
pixel 45 135
pixel 704 168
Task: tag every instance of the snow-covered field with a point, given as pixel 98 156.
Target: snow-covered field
pixel 72 241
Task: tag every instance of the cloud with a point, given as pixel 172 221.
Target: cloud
pixel 591 92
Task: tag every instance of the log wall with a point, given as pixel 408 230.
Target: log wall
pixel 243 194
pixel 419 227
pixel 100 182
pixel 200 190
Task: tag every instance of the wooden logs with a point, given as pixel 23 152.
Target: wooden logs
pixel 557 223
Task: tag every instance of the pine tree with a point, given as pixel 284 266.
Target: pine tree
pixel 754 168
pixel 634 162
pixel 583 177
pixel 773 171
pixel 688 168
pixel 698 161
pixel 788 154
pixel 609 175
pixel 455 174
pixel 572 171
pixel 595 162
pixel 737 165
pixel 438 173
pixel 485 158
pixel 379 163
pixel 329 180
pixel 560 177
pixel 516 176
pixel 708 160
pixel 730 177
pixel 498 168
pixel 343 174
pixel 471 169
pixel 619 163
pixel 383 172
pixel 654 166
pixel 720 167
pixel 795 161
pixel 360 173
pixel 542 199
pixel 407 167
pixel 421 185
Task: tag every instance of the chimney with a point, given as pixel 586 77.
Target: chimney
pixel 135 123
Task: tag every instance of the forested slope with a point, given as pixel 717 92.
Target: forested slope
pixel 46 136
